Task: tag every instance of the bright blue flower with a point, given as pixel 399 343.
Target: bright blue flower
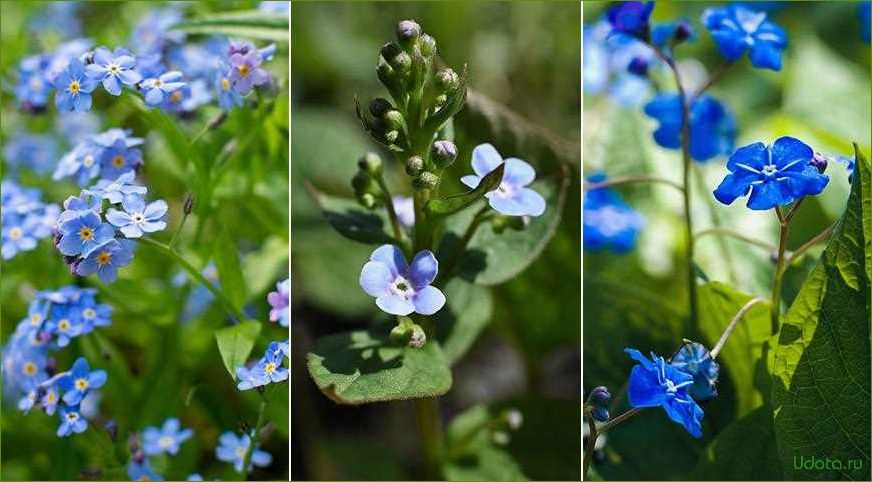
pixel 33 86
pixel 83 234
pixel 233 449
pixel 167 439
pixel 279 300
pixel 695 360
pixel 113 69
pixel 736 29
pixel 115 191
pixel 228 95
pixel 401 289
pixel 137 217
pixel 142 471
pixel 775 175
pixel 65 323
pixel 631 18
pixel 512 197
pixel 664 33
pixel 269 369
pixel 863 14
pixel 50 398
pixel 82 162
pixel 609 222
pixel 118 159
pixel 655 383
pixel 156 89
pixel 106 259
pixel 712 126
pixel 74 88
pixel 72 421
pixel 79 381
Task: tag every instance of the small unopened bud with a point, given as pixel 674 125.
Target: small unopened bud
pixel 378 107
pixel 393 119
pixel 370 163
pixel 396 56
pixel 447 80
pixel 600 414
pixel 500 438
pixel 443 153
pixel 819 161
pixel 427 45
pixel 407 31
pixel 367 200
pixel 684 31
pixel 392 136
pixel 599 395
pixel 638 66
pixel 363 183
pixel 385 72
pixel 414 165
pixel 188 204
pixel 418 338
pixel 426 180
pixel 138 456
pixel 514 418
pixel 400 333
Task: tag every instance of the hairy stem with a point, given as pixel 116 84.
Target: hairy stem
pixel 732 326
pixel 430 433
pixel 261 419
pixel 619 181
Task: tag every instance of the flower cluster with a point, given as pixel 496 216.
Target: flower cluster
pixel 608 221
pixel 712 125
pixel 106 155
pixel 38 152
pixel 166 439
pixel 25 219
pixel 279 300
pixel 94 239
pixel 233 448
pixel 617 64
pixel 268 369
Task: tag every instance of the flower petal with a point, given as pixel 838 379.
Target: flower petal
pixel 485 159
pixel 395 305
pixel 787 150
pixel 375 278
pixel 518 172
pixel 423 270
pixel 428 300
pixel 769 194
pixel 392 257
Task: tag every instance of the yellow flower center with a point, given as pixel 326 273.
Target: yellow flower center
pixel 81 384
pixel 88 161
pixel 243 70
pixel 144 477
pixel 240 452
pixel 103 258
pixel 74 87
pixel 118 161
pixel 114 68
pixel 64 324
pixel 176 96
pixel 16 233
pixel 86 233
pixel 269 368
pixel 89 313
pixel 225 84
pixel 51 397
pixel 35 319
pixel 165 441
pixel 30 369
pixel 157 83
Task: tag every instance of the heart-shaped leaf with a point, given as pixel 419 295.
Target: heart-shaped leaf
pixel 745 450
pixel 235 344
pixel 352 220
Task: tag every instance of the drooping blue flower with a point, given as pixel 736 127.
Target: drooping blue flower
pixel 609 222
pixel 233 449
pixel 113 69
pixel 115 191
pixel 83 234
pixel 279 300
pixel 156 89
pixel 404 206
pixel 712 125
pixel 269 369
pixel 167 439
pixel 863 14
pixel 72 421
pixel 137 217
pixel 401 289
pixel 74 88
pixel 106 259
pixel 79 381
pixel 695 360
pixel 736 29
pixel 655 383
pixel 775 175
pixel 512 197
pixel 142 471
pixel 631 18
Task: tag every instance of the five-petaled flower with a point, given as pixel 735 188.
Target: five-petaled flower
pixel 512 197
pixel 82 234
pixel 608 221
pixel 775 175
pixel 245 71
pixel 72 421
pixel 233 449
pixel 655 383
pixel 737 29
pixel 268 369
pixel 106 259
pixel 74 88
pixel 712 126
pixel 137 217
pixel 79 381
pixel 631 18
pixel 156 89
pixel 113 69
pixel 401 289
pixel 694 359
pixel 279 300
pixel 167 439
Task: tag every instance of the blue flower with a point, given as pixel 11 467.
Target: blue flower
pixel 156 89
pixel 167 439
pixel 401 289
pixel 245 71
pixel 279 300
pixel 18 235
pixel 695 360
pixel 233 449
pixel 404 206
pixel 736 29
pixel 118 159
pixel 863 14
pixel 268 369
pixel 83 162
pixel 712 126
pixel 115 191
pixel 33 85
pixel 228 95
pixel 65 324
pixel 113 69
pixel 93 314
pixel 775 175
pixel 608 221
pixel 36 152
pixel 83 234
pixel 154 32
pixel 655 383
pixel 512 197
pixel 631 18
pixel 74 88
pixel 50 398
pixel 79 381
pixel 142 471
pixel 137 217
pixel 106 259
pixel 72 421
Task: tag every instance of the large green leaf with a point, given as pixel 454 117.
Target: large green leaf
pixel 229 271
pixel 366 366
pixel 252 24
pixel 235 344
pixel 745 450
pixel 352 220
pixel 740 359
pixel 466 313
pixel 492 258
pixel 820 373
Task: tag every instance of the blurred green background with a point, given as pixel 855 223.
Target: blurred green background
pixel 821 96
pixel 524 58
pixel 159 366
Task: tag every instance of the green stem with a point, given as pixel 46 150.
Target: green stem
pixel 736 235
pixel 389 207
pixel 195 273
pixel 178 230
pixel 618 420
pixel 460 248
pixel 592 435
pixel 430 432
pixel 261 419
pixel 784 230
pixel 732 326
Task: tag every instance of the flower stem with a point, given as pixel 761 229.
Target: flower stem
pixel 389 207
pixel 737 235
pixel 618 181
pixel 732 326
pixel 178 230
pixel 714 78
pixel 261 419
pixel 430 433
pixel 592 435
pixel 822 236
pixel 195 273
pixel 784 230
pixel 460 248
pixel 618 420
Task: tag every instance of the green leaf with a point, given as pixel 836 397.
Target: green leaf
pixel 493 258
pixel 235 344
pixel 458 202
pixel 740 359
pixel 262 267
pixel 252 24
pixel 229 271
pixel 464 316
pixel 365 366
pixel 745 450
pixel 476 456
pixel 821 367
pixel 352 220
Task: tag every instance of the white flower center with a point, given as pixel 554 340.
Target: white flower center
pixel 16 233
pixel 114 68
pixel 88 161
pixel 402 287
pixel 241 451
pixel 770 170
pixel 504 191
pixel 138 218
pixel 64 325
pixel 72 417
pixel 165 441
pixel 89 313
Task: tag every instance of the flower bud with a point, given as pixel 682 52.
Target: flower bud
pixel 425 180
pixel 379 106
pixel 363 183
pixel 408 31
pixel 414 165
pixel 683 31
pixel 367 200
pixel 396 57
pixel 447 80
pixel 599 395
pixel 385 73
pixel 638 66
pixel 600 414
pixel 188 204
pixel 514 418
pixel 443 153
pixel 418 338
pixel 427 45
pixel 393 119
pixel 370 163
pixel 392 136
pixel 500 437
pixel 819 161
pixel 440 100
pixel 401 333
pixel 112 428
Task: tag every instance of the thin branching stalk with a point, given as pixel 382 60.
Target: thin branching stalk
pixel 732 326
pixel 771 248
pixel 261 419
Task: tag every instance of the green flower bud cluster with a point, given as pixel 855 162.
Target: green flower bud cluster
pixel 365 181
